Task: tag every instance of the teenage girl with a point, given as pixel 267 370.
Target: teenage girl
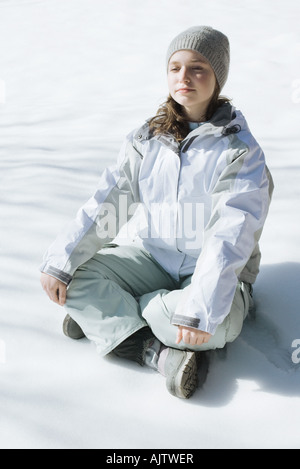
pixel 158 265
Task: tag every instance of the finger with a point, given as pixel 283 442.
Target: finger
pixel 55 295
pixel 44 285
pixel 62 295
pixel 186 337
pixel 179 336
pixel 200 340
pixel 206 338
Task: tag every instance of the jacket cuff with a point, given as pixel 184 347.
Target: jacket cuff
pixel 188 321
pixel 57 273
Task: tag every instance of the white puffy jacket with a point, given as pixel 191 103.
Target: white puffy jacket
pixel 198 207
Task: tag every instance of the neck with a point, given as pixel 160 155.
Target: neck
pixel 195 115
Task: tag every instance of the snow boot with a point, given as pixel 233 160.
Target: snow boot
pixel 72 329
pixel 180 369
pixel 135 347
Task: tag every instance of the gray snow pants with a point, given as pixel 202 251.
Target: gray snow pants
pixel 123 289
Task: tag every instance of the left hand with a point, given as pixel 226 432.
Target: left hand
pixel 192 336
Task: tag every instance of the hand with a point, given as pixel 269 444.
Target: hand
pixel 192 336
pixel 55 289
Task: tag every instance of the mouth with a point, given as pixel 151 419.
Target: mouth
pixel 185 90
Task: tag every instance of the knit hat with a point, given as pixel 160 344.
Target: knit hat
pixel 212 44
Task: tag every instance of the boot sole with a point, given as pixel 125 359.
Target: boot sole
pixel 184 382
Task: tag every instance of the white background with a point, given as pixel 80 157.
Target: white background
pixel 79 75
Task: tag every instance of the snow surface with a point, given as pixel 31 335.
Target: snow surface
pixel 75 77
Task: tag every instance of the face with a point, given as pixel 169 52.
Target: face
pixel 191 82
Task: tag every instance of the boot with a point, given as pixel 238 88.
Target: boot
pixel 178 366
pixel 134 348
pixel 180 369
pixel 72 329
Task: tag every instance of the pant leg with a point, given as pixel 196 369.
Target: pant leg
pixel 103 295
pixel 158 308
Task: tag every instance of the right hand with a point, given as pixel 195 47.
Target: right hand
pixel 55 289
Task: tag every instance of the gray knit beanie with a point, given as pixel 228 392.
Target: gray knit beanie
pixel 212 44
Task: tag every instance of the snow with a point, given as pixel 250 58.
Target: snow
pixel 76 76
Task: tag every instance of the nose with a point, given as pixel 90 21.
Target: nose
pixel 184 76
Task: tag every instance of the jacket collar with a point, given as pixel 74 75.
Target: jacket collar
pixel 219 121
pixel 223 115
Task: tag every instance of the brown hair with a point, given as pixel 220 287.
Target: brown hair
pixel 170 116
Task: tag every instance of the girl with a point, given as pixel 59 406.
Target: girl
pixel 185 207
